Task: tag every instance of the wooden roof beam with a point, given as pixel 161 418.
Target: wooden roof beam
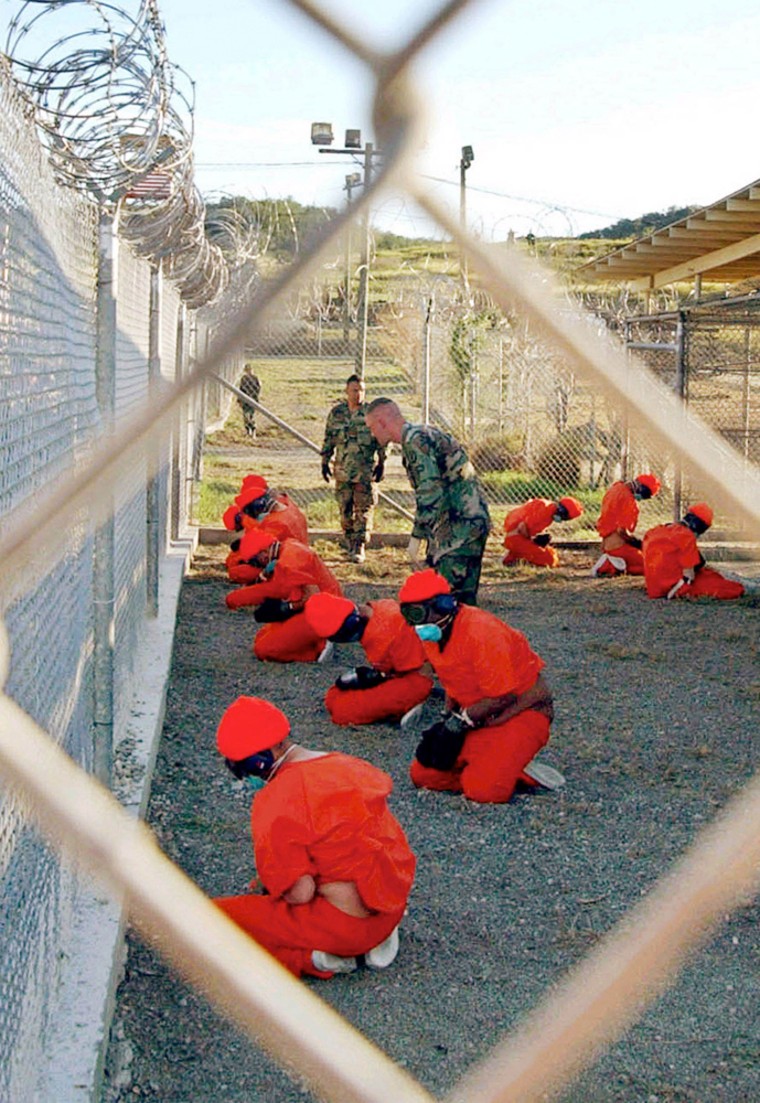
pixel 743 204
pixel 747 247
pixel 734 218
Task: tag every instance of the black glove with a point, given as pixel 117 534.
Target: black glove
pixel 543 539
pixel 377 474
pixel 272 610
pixel 326 472
pixel 235 545
pixel 362 677
pixel 442 743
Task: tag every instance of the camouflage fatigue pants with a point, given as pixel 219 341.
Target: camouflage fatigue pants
pixel 356 502
pixel 461 569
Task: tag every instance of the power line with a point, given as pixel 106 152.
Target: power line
pixel 258 164
pixel 522 198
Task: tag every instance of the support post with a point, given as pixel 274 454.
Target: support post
pixel 363 306
pixel 103 580
pixel 153 503
pixel 681 391
pixel 430 306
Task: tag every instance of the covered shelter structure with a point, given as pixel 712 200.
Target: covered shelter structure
pixel 720 243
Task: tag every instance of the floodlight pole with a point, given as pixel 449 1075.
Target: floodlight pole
pixel 322 132
pixel 363 304
pixel 464 163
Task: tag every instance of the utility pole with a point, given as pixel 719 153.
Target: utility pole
pixel 363 305
pixel 466 160
pixel 353 180
pixel 322 135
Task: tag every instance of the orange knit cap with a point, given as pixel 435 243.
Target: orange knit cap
pixel 423 585
pixel 248 726
pixel 254 480
pixel 254 541
pixel 253 487
pixel 652 483
pixel 327 612
pixel 228 517
pixel 572 506
pixel 703 511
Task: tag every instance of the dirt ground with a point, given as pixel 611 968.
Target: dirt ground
pixel 656 726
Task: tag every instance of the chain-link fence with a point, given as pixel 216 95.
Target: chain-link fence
pixel 450 356
pixel 86 331
pixel 707 354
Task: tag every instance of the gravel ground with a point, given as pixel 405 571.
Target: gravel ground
pixel 656 727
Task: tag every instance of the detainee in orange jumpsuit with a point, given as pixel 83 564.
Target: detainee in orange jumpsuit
pixel 524 527
pixel 393 686
pixel 621 548
pixel 500 706
pixel 289 574
pixel 258 506
pixel 333 859
pixel 674 565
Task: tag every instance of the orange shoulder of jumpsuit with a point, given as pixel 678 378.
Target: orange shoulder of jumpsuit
pixel 483 657
pixel 390 644
pixel 297 567
pixel 669 550
pixel 286 524
pixel 329 817
pixel 536 515
pixel 619 511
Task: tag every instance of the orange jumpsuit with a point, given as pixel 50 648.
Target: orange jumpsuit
pixel 293 640
pixel 671 549
pixel 619 513
pixel 393 648
pixel 327 817
pixel 287 523
pixel 536 516
pixel 484 657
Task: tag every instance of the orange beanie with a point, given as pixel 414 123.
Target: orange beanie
pixel 248 726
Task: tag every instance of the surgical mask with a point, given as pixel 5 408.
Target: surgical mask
pixel 254 783
pixel 431 632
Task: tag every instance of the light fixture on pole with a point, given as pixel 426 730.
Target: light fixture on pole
pixel 353 145
pixel 466 160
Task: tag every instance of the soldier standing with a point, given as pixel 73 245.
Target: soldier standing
pixel 250 385
pixel 359 466
pixel 452 513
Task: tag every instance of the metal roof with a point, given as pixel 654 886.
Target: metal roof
pixel 720 242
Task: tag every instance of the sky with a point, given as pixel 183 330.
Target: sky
pixel 577 114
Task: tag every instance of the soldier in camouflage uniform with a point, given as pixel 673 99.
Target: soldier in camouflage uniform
pixel 249 384
pixel 452 513
pixel 359 466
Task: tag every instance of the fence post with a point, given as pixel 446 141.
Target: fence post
pixel 426 360
pixel 153 515
pixel 103 580
pixel 746 391
pixel 177 435
pixel 681 390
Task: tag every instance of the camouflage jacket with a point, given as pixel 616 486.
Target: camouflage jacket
pixel 347 435
pixel 451 506
pixel 251 385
